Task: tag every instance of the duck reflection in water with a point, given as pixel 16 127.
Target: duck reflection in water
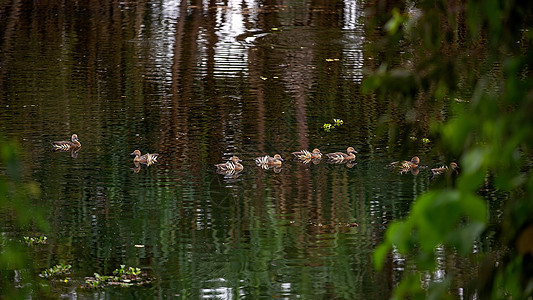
pixel 350 164
pixel 137 167
pixel 230 173
pixel 74 153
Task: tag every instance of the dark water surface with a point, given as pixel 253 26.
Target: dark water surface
pixel 198 82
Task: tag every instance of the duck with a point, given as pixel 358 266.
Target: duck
pixel 453 169
pixel 67 145
pixel 340 157
pixel 269 161
pixel 306 155
pixel 148 158
pixel 406 166
pixel 231 165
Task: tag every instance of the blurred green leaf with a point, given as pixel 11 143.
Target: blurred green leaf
pixel 470 182
pixel 380 254
pixel 399 235
pixel 475 57
pixel 410 286
pixel 473 159
pixel 16 196
pixel 474 207
pixel 456 133
pixel 395 21
pixel 463 238
pixel 436 290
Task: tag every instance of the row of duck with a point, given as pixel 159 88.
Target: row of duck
pixel 234 166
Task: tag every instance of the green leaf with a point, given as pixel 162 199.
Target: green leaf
pixel 409 288
pixel 380 254
pixel 436 217
pixel 474 207
pixel 456 133
pixel 472 160
pixel 470 182
pixel 399 235
pixel 463 238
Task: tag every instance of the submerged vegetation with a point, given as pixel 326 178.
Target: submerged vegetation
pixel 479 51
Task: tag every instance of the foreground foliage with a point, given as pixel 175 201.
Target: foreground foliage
pixel 16 196
pixel 472 58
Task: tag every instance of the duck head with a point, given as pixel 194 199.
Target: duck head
pixel 235 159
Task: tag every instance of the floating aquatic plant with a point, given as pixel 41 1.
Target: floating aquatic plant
pixel 131 271
pixel 98 280
pixel 123 276
pixel 336 123
pixel 30 241
pixel 57 272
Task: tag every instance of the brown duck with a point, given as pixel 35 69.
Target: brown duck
pixel 231 165
pixel 453 169
pixel 148 158
pixel 340 157
pixel 406 166
pixel 67 145
pixel 306 155
pixel 269 160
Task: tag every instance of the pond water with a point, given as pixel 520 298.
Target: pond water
pixel 199 82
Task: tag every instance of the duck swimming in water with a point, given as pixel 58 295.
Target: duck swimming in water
pixel 269 161
pixel 305 155
pixel 148 158
pixel 406 166
pixel 67 145
pixel 453 169
pixel 340 157
pixel 231 165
